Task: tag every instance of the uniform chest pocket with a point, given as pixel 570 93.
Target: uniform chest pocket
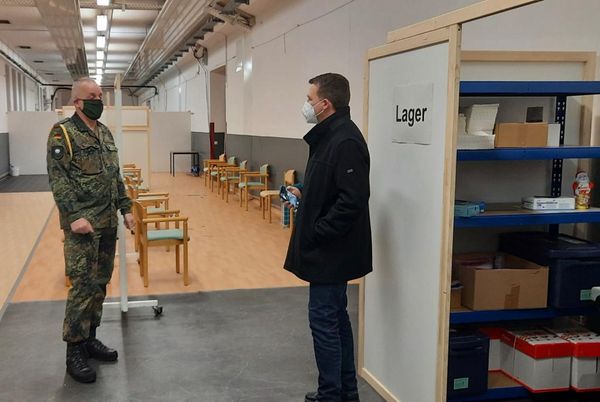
pixel 89 159
pixel 112 157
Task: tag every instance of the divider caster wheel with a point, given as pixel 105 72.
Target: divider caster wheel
pixel 157 310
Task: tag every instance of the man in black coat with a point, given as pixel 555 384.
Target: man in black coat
pixel 331 241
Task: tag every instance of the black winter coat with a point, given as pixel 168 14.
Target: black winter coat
pixel 331 241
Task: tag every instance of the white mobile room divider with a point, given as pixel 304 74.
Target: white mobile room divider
pixel 124 303
pixel 412 87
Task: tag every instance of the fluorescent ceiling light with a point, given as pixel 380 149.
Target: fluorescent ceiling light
pixel 103 3
pixel 100 55
pixel 99 63
pixel 101 22
pixel 101 42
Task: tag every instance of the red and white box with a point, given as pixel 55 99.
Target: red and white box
pixel 541 361
pixel 497 348
pixel 585 370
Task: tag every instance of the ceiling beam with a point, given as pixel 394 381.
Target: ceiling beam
pixel 63 20
pixel 115 4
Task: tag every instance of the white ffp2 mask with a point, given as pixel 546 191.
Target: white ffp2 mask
pixel 308 111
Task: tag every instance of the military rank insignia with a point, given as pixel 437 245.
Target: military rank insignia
pixel 58 151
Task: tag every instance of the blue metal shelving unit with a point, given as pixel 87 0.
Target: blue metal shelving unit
pixel 475 317
pixel 513 154
pixel 529 88
pixel 498 219
pixel 496 394
pixel 560 90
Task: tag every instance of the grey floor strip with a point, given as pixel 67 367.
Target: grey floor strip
pixel 25 184
pixel 242 345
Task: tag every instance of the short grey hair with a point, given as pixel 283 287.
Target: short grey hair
pixel 77 84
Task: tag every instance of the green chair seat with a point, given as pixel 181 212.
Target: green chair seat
pixel 165 234
pixel 214 173
pixel 223 178
pixel 153 209
pixel 251 184
pixel 141 197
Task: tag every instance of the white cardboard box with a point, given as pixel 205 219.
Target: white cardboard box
pixel 497 348
pixel 541 362
pixel 469 141
pixel 481 118
pixel 554 135
pixel 585 370
pixel 548 203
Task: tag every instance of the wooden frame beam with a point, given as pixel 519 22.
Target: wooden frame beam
pixel 470 13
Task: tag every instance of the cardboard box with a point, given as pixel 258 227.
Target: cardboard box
pixel 455 298
pixel 521 135
pixel 497 348
pixel 501 281
pixel 541 361
pixel 585 364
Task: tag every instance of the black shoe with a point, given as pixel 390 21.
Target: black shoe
pixel 99 351
pixel 313 397
pixel 77 365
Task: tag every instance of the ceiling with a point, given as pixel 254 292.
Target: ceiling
pixel 142 39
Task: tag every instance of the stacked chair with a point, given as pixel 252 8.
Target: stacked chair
pixel 253 181
pixel 153 226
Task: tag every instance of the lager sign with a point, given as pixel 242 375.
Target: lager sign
pixel 413 114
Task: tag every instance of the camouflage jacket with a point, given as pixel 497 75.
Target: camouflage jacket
pixel 83 169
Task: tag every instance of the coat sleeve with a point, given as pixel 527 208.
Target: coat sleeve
pixel 124 202
pixel 58 162
pixel 351 180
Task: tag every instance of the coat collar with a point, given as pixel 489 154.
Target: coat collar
pixel 81 126
pixel 325 127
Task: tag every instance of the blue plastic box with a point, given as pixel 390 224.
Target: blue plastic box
pixel 468 354
pixel 574 264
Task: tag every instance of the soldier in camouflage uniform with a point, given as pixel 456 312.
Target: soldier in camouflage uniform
pixel 83 169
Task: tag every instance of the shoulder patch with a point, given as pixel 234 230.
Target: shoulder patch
pixel 58 152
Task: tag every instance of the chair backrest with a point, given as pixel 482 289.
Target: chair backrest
pixel 140 211
pixel 232 160
pixel 289 177
pixel 222 157
pixel 243 164
pixel 264 169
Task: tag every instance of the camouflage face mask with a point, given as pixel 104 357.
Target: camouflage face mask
pixel 93 108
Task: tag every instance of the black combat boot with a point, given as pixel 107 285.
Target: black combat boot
pixel 99 351
pixel 77 365
pixel 314 397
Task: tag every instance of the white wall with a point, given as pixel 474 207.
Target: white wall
pixel 3 92
pixel 293 41
pixel 28 136
pixel 170 132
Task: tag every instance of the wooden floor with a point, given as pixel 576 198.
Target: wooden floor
pixel 229 249
pixel 22 218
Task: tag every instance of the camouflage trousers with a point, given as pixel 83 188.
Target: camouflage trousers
pixel 89 261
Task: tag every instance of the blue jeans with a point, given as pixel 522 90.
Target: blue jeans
pixel 333 342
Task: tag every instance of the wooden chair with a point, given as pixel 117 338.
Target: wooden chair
pixel 289 178
pixel 153 203
pixel 216 170
pixel 259 183
pixel 231 175
pixel 162 237
pixel 135 175
pixel 207 163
